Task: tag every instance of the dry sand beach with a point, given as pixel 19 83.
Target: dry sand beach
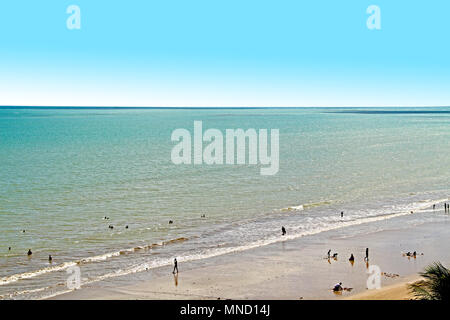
pixel 294 269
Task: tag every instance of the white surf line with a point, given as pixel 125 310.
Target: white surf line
pixel 253 245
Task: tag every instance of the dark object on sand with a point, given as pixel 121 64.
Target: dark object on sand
pixel 283 231
pixel 436 285
pixel 29 252
pixel 338 287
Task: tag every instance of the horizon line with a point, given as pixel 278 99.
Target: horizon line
pixel 210 107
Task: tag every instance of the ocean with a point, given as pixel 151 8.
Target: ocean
pixel 63 170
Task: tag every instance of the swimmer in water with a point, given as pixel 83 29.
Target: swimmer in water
pixel 29 252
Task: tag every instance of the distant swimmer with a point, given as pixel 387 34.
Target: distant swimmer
pixel 367 254
pixel 126 227
pixel 338 287
pixel 111 226
pixel 329 253
pixel 434 206
pixel 9 249
pixel 170 221
pixel 352 258
pixel 342 214
pixel 175 266
pixel 283 231
pixel 203 216
pixel 23 231
pixel 50 258
pixel 29 252
pixel 106 218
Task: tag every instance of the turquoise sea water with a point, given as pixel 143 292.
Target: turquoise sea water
pixel 63 170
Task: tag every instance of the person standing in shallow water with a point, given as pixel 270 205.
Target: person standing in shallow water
pixel 175 266
pixel 283 231
pixel 342 214
pixel 367 254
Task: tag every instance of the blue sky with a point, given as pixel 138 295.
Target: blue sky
pixel 225 53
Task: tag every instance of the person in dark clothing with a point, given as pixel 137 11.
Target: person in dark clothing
pixel 338 287
pixel 283 231
pixel 175 266
pixel 367 254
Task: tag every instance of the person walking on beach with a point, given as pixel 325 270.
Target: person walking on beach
pixel 283 231
pixel 367 254
pixel 329 253
pixel 175 266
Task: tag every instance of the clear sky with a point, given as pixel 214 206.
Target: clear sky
pixel 225 53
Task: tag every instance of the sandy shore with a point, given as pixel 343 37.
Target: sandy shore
pixel 398 291
pixel 295 269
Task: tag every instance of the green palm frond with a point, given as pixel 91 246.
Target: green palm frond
pixel 436 283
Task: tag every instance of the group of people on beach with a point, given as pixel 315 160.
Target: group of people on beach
pixel 352 257
pixel 446 207
pixel 338 288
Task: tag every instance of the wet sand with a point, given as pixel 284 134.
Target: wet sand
pixel 294 269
